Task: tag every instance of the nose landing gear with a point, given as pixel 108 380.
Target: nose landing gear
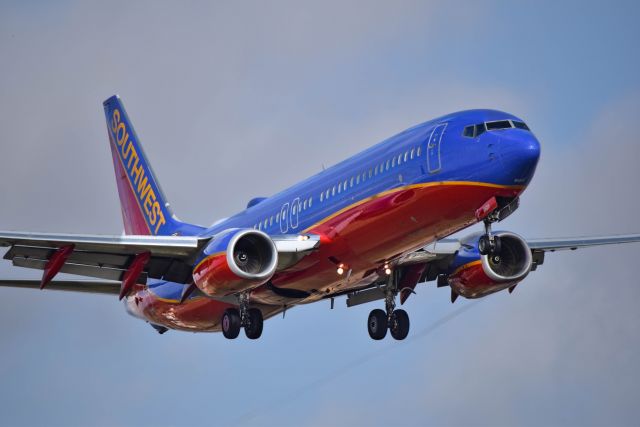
pixel 397 321
pixel 489 244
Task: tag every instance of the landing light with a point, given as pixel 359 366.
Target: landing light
pixel 340 270
pixel 387 270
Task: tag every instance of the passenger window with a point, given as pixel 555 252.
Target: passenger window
pixel 375 171
pixel 358 179
pixel 339 188
pixel 344 185
pixel 277 217
pixel 370 173
pixel 310 201
pixel 321 196
pixel 351 183
pixel 399 159
pixel 271 220
pixel 418 152
pixel 406 155
pixel 333 191
pixel 304 205
pixel 413 150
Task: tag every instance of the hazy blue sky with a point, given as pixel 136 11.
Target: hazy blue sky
pixel 237 99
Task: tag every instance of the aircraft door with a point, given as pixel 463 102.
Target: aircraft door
pixel 294 212
pixel 433 148
pixel 284 218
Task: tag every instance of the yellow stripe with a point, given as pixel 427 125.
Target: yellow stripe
pixel 410 187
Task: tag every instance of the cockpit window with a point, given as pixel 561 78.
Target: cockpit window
pixel 500 124
pixel 468 131
pixel 477 130
pixel 521 125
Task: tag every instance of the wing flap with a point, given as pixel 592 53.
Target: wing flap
pixel 77 269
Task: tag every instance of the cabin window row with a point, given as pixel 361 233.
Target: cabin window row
pixel 380 168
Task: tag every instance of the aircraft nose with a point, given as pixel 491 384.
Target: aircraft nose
pixel 519 153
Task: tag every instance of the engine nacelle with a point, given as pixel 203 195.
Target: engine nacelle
pixel 474 275
pixel 236 260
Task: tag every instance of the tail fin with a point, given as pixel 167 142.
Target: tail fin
pixel 145 210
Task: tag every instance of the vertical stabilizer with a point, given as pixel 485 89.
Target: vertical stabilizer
pixel 145 210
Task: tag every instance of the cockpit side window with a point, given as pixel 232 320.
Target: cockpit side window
pixel 468 131
pixel 480 129
pixel 521 125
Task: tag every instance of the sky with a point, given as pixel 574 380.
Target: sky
pixel 234 100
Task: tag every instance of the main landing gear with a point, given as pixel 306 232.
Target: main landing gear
pixel 397 321
pixel 489 244
pixel 248 318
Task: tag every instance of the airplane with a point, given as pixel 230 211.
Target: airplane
pixel 370 228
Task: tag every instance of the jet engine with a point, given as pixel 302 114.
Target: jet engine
pixel 236 260
pixel 474 275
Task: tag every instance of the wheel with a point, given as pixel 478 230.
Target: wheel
pixel 497 245
pixel 254 329
pixel 231 323
pixel 484 245
pixel 399 324
pixel 377 324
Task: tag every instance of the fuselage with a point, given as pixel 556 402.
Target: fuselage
pixel 418 186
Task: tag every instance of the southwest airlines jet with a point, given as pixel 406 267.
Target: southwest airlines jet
pixel 369 228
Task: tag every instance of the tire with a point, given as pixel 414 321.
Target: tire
pixel 231 323
pixel 497 246
pixel 254 329
pixel 484 246
pixel 377 324
pixel 399 325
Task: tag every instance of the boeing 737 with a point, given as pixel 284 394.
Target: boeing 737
pixel 370 228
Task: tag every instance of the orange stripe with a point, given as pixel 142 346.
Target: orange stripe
pixel 466 266
pixel 206 258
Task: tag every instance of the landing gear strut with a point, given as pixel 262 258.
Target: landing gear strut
pixel 488 244
pixel 248 318
pixel 397 321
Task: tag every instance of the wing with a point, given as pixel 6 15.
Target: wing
pixel 558 244
pixel 171 258
pixel 433 261
pixel 105 257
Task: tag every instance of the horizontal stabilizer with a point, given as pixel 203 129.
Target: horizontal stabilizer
pixel 88 286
